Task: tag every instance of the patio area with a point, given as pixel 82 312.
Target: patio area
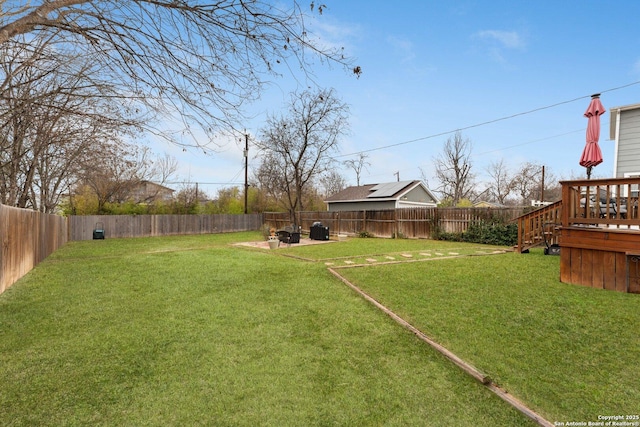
pixel 263 244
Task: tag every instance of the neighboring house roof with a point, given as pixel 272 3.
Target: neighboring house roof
pixel 390 191
pixel 148 191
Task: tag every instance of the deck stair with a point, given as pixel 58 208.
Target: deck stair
pixel 539 227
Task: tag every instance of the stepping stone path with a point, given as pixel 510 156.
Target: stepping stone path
pixel 407 255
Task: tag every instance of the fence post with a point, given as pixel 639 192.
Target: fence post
pixel 364 220
pixel 396 226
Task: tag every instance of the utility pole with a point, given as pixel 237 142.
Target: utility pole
pixel 542 186
pixel 246 170
pixel 397 174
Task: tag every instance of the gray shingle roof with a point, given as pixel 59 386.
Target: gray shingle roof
pixel 365 191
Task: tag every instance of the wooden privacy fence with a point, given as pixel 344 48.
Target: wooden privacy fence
pixel 405 222
pixel 117 226
pixel 27 237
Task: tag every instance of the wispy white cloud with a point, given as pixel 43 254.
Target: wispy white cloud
pixel 403 47
pixel 412 62
pixel 333 34
pixel 505 39
pixel 497 42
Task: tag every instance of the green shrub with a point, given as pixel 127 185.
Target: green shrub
pixel 491 231
pixel 452 237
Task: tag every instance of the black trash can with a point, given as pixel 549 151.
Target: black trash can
pixel 318 232
pixel 98 231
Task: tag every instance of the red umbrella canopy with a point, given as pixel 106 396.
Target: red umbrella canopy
pixel 591 155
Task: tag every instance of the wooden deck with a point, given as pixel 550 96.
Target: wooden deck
pixel 539 227
pixel 600 234
pixel 600 258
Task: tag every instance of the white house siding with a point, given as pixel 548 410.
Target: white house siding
pixel 628 143
pixel 419 195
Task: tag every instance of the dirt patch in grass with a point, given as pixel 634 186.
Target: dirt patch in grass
pixel 263 244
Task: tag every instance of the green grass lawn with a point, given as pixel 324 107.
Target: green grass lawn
pixel 570 352
pixel 196 331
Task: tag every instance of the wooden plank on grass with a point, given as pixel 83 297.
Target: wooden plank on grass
pixel 466 367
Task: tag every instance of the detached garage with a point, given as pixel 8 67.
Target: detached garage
pixel 391 195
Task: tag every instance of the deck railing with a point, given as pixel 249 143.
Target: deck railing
pixel 539 227
pixel 610 203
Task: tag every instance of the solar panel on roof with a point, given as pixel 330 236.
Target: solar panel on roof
pixel 387 189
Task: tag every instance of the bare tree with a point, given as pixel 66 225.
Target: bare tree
pixel 164 168
pixel 268 178
pixel 453 169
pixel 332 182
pixel 297 147
pixel 358 165
pixel 115 172
pixel 187 200
pixel 201 61
pixel 527 181
pixel 502 182
pixel 52 115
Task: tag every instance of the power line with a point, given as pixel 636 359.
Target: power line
pixel 203 183
pixel 531 142
pixel 483 123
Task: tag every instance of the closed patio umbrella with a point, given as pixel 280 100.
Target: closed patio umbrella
pixel 591 155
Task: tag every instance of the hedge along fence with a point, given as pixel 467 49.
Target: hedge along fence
pixel 406 222
pixel 119 226
pixel 28 237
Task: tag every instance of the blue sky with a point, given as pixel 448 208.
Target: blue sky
pixel 433 67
